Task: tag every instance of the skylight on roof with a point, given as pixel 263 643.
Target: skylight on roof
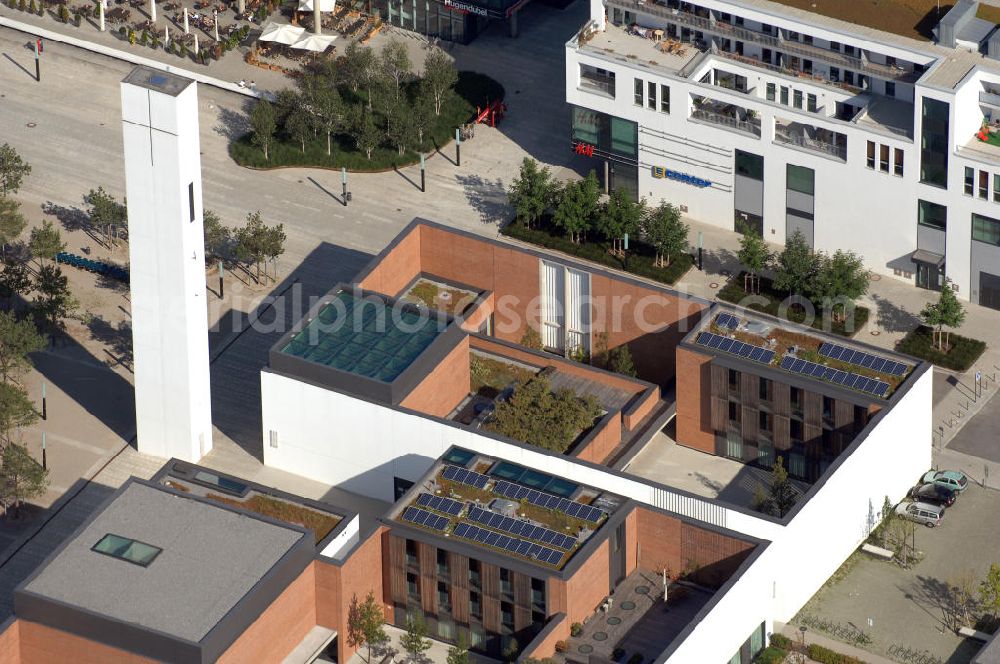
pixel 129 550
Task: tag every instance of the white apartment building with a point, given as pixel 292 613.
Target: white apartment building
pixel 757 112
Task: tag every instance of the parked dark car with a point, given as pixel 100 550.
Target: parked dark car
pixel 935 494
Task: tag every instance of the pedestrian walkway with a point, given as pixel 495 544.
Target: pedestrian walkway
pixel 793 632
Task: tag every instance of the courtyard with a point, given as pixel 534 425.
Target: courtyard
pixel 914 608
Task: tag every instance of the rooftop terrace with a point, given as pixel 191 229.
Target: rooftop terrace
pixel 876 374
pixel 907 18
pixel 506 509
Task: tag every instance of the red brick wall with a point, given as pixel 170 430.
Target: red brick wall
pixel 588 587
pixel 607 438
pixel 631 542
pixel 10 643
pixel 640 409
pixel 281 627
pixel 474 320
pixel 659 540
pixel 547 646
pixel 694 403
pixel 44 645
pixel 445 386
pixel 337 586
pixel 397 268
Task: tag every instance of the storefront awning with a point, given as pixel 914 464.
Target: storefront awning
pixel 924 256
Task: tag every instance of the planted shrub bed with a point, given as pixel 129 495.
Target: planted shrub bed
pixel 472 89
pixel 733 292
pixel 639 259
pixel 963 352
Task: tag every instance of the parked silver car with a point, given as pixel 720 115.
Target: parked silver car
pixel 925 513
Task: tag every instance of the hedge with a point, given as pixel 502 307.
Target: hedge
pixel 781 641
pixel 963 354
pixel 733 292
pixel 771 655
pixel 638 260
pixel 827 656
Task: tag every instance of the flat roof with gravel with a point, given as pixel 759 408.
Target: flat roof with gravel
pixel 210 558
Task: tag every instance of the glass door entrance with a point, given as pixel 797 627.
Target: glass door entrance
pixel 929 276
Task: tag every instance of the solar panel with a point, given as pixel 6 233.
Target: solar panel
pixel 463 476
pixel 861 359
pixel 716 341
pixel 726 345
pixel 424 518
pixel 521 528
pixel 786 362
pixel 513 545
pixel 747 350
pixel 548 501
pixel 727 321
pixel 704 338
pixel 439 504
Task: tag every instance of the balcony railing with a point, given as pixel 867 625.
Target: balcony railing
pixel 704 24
pixel 990 98
pixel 783 135
pixel 749 126
pixel 786 71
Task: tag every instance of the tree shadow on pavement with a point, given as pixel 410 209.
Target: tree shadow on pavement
pixel 117 338
pixel 234 123
pixel 487 197
pixel 891 317
pixel 71 218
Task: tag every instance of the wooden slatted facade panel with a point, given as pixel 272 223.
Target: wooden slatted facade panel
pixel 397 569
pixel 720 381
pixel 843 415
pixel 782 398
pixel 458 565
pixel 522 618
pixel 491 614
pixel 812 410
pixel 460 604
pixel 781 432
pixel 522 589
pixel 491 579
pixel 720 414
pixel 750 390
pixel 428 577
pixel 749 429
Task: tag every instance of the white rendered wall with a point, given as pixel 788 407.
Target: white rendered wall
pixel 167 271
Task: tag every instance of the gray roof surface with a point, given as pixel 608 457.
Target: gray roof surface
pixel 211 558
pixel 158 81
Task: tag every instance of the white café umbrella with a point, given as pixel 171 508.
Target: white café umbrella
pixel 186 27
pixel 280 33
pixel 324 5
pixel 152 10
pixel 315 43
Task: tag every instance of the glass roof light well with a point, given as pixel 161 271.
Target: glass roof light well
pixel 129 550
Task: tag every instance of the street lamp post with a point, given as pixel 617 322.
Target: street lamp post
pixel 38 60
pixel 45 413
pixel 343 183
pixel 45 458
pixel 458 147
pixel 423 175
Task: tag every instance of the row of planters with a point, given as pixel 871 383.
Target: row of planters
pixel 621 233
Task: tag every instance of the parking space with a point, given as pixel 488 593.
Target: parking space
pixel 913 608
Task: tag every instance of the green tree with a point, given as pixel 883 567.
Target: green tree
pixel 414 640
pixel 531 191
pixel 218 237
pixel 45 242
pixel 13 170
pixel 361 69
pixel 399 126
pixel 459 653
pixel 299 127
pixel 989 591
pixel 619 217
pixel 531 338
pixel 754 256
pixel 795 266
pixel 328 112
pixel 440 77
pixel 839 280
pixel 569 213
pixel 53 301
pixel 365 624
pixel 18 339
pixel 12 222
pixel 510 649
pixel 16 411
pixel 14 279
pixel 780 496
pixel 421 118
pixel 946 312
pixel 21 477
pixel 256 242
pixel 538 416
pixel 263 124
pixel 396 67
pixel 366 134
pixel 620 361
pixel 666 232
pixel 106 214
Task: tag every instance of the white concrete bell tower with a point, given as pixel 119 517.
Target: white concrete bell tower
pixel 167 264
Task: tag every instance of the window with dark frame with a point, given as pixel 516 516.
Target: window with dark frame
pixel 898 162
pixel 883 161
pixel 127 549
pixel 191 200
pixel 984 185
pixel 651 88
pixel 764 389
pixel 932 215
pixel 970 177
pixel 871 155
pixel 985 229
pixel 664 98
pixel 638 92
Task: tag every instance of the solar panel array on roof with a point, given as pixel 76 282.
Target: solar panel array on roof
pixel 846 379
pixel 439 504
pixel 727 321
pixel 521 528
pixel 463 476
pixel 866 360
pixel 513 545
pixel 548 501
pixel 734 347
pixel 424 518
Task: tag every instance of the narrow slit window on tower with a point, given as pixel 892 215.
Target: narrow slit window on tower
pixel 191 200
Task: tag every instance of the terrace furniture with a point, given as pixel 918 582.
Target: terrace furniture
pixel 657 35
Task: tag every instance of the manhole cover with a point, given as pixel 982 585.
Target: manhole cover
pixel 642 590
pixel 614 620
pixel 876 277
pixel 875 333
pixel 586 649
pixel 31 125
pixel 600 636
pixel 713 285
pixel 628 605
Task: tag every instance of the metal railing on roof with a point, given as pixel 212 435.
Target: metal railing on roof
pixel 749 126
pixel 783 135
